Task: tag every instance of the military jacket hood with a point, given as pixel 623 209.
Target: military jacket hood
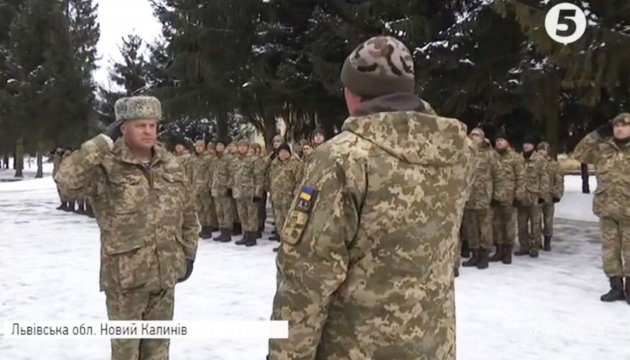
pixel 405 126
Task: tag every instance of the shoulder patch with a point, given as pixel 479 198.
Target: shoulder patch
pixel 306 199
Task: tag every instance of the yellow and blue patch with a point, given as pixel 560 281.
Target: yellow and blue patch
pixel 306 199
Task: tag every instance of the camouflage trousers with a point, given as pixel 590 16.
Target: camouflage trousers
pixel 136 305
pixel 248 213
pixel 477 224
pixel 529 226
pixel 548 210
pixel 504 224
pixel 235 218
pixel 225 212
pixel 206 211
pixel 615 246
pixel 281 207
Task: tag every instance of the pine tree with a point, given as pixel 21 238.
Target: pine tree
pixel 131 73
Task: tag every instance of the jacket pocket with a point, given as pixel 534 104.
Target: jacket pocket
pixel 132 259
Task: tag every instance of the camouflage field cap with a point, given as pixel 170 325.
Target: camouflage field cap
pixel 543 145
pixel 382 65
pixel 478 131
pixel 138 107
pixel 242 143
pixel 623 118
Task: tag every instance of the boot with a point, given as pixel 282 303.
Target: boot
pixel 456 272
pixel 474 259
pixel 521 251
pixel 277 248
pixel 251 239
pixel 62 206
pixel 244 240
pixel 237 229
pixel 498 254
pixel 89 211
pixel 259 235
pixel 507 255
pixel 274 237
pixel 616 290
pixel 466 251
pixel 627 290
pixel 533 253
pixel 219 237
pixel 69 206
pixel 547 243
pixel 205 233
pixel 482 259
pixel 226 236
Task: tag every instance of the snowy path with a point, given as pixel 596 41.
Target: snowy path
pixel 545 308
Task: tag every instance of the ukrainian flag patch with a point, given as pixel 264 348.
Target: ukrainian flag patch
pixel 306 199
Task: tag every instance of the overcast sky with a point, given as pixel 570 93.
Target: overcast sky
pixel 118 18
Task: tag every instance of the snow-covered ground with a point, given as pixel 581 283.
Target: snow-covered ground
pixel 545 308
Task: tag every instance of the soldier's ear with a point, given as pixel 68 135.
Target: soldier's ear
pixel 123 128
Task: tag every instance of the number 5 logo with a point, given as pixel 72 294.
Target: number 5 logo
pixel 565 23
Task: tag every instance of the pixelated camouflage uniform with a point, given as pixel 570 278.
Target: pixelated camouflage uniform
pixel 556 190
pixel 201 184
pixel 220 184
pixel 246 185
pixel 508 186
pixel 284 178
pixel 611 201
pixel 529 206
pixel 366 268
pixel 148 226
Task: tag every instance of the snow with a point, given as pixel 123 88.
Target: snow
pixel 545 308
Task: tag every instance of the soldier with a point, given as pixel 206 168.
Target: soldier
pixel 183 156
pixel 608 148
pixel 146 215
pixel 68 200
pixel 529 205
pixel 247 191
pixel 232 149
pixel 222 193
pixel 478 215
pixel 556 191
pixel 262 204
pixel 508 186
pixel 354 279
pixel 212 208
pixel 276 142
pixel 319 136
pixel 284 178
pixel 307 150
pixel 201 188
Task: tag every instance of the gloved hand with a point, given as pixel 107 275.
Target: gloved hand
pixel 495 202
pixel 228 193
pixel 113 130
pixel 556 200
pixel 189 270
pixel 541 201
pixel 605 130
pixel 257 199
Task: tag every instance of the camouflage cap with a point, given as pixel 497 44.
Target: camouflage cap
pixel 543 145
pixel 242 143
pixel 478 131
pixel 138 107
pixel 623 118
pixel 382 65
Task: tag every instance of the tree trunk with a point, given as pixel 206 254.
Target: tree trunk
pixel 585 186
pixel 41 150
pixel 270 129
pixel 222 127
pixel 18 161
pixel 551 131
pixel 6 160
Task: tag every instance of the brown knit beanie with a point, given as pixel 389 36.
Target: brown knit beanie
pixel 380 66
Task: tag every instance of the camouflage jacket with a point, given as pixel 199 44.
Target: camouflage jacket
pixel 247 181
pixel 200 170
pixel 145 213
pixel 508 184
pixel 536 181
pixel 556 179
pixel 612 168
pixel 56 162
pixel 366 265
pixel 485 177
pixel 222 167
pixel 284 178
pixel 186 161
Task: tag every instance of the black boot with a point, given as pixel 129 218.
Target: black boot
pixel 218 237
pixel 466 251
pixel 547 243
pixel 498 254
pixel 244 240
pixel 456 272
pixel 62 206
pixel 474 260
pixel 237 229
pixel 507 254
pixel 251 239
pixel 206 233
pixel 69 206
pixel 482 259
pixel 616 290
pixel 226 236
pixel 521 251
pixel 274 237
pixel 259 235
pixel 277 248
pixel 533 253
pixel 627 290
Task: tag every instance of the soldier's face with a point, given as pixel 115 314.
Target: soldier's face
pixel 502 144
pixel 528 147
pixel 477 139
pixel 243 149
pixel 352 101
pixel 220 148
pixel 251 151
pixel 621 131
pixel 277 141
pixel 211 151
pixel 179 148
pixel 307 150
pixel 141 133
pixel 543 152
pixel 200 147
pixel 318 139
pixel 284 155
